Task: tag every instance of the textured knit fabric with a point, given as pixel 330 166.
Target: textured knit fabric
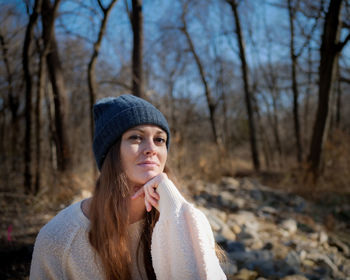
pixel 182 244
pixel 113 116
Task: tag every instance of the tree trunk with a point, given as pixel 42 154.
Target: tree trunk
pixel 40 93
pixel 332 103
pixel 137 52
pixel 273 121
pixel 220 87
pixel 307 98
pixel 266 147
pixel 226 135
pixel 93 59
pixel 58 86
pixel 330 48
pixel 210 101
pixel 51 128
pixel 276 134
pixel 338 102
pixel 294 85
pixel 91 67
pixel 13 101
pixel 26 61
pixel 247 93
pixel 271 82
pixel 2 135
pixel 172 108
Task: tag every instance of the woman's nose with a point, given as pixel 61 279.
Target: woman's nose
pixel 150 147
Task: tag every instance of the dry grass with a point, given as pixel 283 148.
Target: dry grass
pixel 331 188
pixel 207 162
pixel 204 161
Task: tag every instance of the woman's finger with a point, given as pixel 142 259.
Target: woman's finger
pixel 147 203
pixel 151 195
pixel 154 194
pixel 152 186
pixel 148 206
pixel 147 195
pixel 152 201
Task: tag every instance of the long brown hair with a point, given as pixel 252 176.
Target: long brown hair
pixel 109 219
pixel 109 215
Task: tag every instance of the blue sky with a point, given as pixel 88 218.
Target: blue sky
pixel 256 16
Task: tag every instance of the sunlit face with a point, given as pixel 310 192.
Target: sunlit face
pixel 143 153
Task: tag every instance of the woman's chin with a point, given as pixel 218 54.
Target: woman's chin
pixel 144 178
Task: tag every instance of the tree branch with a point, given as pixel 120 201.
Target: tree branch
pixel 128 11
pixel 345 80
pixel 345 25
pixel 117 83
pixel 341 45
pixel 308 36
pixel 101 6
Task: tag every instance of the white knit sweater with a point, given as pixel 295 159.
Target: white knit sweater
pixel 182 244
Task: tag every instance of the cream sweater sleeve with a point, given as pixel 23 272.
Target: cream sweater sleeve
pixel 47 260
pixel 183 245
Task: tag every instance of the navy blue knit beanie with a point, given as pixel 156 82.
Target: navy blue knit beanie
pixel 113 116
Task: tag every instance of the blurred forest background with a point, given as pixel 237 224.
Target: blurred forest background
pixel 257 88
pixel 246 86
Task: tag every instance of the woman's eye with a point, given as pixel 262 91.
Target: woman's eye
pixel 135 137
pixel 160 140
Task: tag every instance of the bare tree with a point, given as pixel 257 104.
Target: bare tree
pixel 247 92
pixel 136 19
pixel 338 101
pixel 26 60
pixel 271 80
pixel 293 56
pixel 265 143
pixel 220 87
pixel 269 92
pixel 330 49
pixel 96 50
pixel 2 132
pixel 55 70
pixel 307 97
pixel 39 95
pixel 12 95
pixel 210 101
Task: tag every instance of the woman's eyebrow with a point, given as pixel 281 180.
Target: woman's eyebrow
pixel 143 131
pixel 136 129
pixel 161 132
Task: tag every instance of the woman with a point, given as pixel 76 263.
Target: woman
pixel 137 225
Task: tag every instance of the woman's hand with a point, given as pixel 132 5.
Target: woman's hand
pixel 149 189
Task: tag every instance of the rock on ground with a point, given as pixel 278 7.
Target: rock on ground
pixel 271 234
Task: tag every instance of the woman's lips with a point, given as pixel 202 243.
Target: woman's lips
pixel 151 164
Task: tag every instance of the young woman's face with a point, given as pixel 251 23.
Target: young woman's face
pixel 143 153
